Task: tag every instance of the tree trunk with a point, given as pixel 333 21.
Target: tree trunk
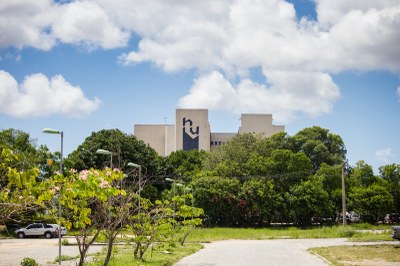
pixel 110 247
pixel 135 253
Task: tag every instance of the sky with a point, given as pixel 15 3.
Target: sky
pixel 87 65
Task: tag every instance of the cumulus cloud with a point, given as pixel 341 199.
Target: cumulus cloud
pixel 288 93
pixel 38 96
pixel 223 41
pixel 41 24
pixel 385 155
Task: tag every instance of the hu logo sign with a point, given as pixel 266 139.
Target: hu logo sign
pixel 190 136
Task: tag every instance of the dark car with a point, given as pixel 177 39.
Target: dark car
pixel 392 218
pixel 396 232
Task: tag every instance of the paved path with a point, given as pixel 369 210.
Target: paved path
pixel 278 252
pixel 44 251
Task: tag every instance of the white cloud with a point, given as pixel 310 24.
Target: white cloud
pixel 230 37
pixel 85 22
pixel 385 155
pixel 41 24
pixel 330 12
pixel 289 93
pixel 37 96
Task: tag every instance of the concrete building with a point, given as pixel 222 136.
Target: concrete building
pixel 192 131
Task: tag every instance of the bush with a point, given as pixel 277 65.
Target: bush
pixel 29 262
pixel 345 232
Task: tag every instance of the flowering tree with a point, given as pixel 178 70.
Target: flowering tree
pixel 17 193
pixel 84 197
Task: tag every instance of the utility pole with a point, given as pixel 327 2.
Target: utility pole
pixel 343 197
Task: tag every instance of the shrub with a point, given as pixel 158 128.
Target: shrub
pixel 29 262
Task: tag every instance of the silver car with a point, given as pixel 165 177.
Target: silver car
pixel 37 229
pixel 64 230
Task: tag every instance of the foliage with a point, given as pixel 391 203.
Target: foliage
pixel 372 201
pixel 218 197
pixel 84 197
pixel 163 221
pixel 183 164
pixel 153 223
pixel 320 146
pixel 391 173
pixel 17 189
pixel 29 262
pixel 161 254
pixel 126 148
pixel 204 235
pixel 29 156
pixel 362 175
pixel 309 199
pixel 257 201
pixel 332 184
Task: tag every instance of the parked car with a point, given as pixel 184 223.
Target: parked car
pixel 340 218
pixel 392 218
pixel 37 229
pixel 351 217
pixel 64 230
pixel 321 220
pixel 355 217
pixel 396 232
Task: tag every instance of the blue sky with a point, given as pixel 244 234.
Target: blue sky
pixel 83 66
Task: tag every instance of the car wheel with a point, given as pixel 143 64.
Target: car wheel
pixel 48 235
pixel 20 235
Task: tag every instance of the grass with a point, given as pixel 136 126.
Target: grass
pixel 353 232
pixel 359 255
pixel 161 255
pixel 65 258
pixel 164 254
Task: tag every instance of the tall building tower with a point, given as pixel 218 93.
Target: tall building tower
pixel 192 129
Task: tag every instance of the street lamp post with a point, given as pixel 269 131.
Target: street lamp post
pixel 61 133
pixel 140 177
pixel 174 182
pixel 106 152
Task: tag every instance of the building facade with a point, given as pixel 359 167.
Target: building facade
pixel 192 131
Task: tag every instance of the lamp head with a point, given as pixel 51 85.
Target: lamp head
pixel 134 165
pixel 101 151
pixel 51 131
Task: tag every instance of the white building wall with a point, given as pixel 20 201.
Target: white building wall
pixel 159 137
pixel 192 129
pixel 259 123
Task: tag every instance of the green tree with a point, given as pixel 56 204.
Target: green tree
pixel 85 199
pixel 391 173
pixel 184 164
pixel 29 156
pixel 309 199
pixel 320 146
pixel 218 197
pixel 17 189
pixel 332 183
pixel 125 148
pixel 258 201
pixel 278 141
pixel 362 175
pixel 153 223
pixel 230 160
pixel 371 202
